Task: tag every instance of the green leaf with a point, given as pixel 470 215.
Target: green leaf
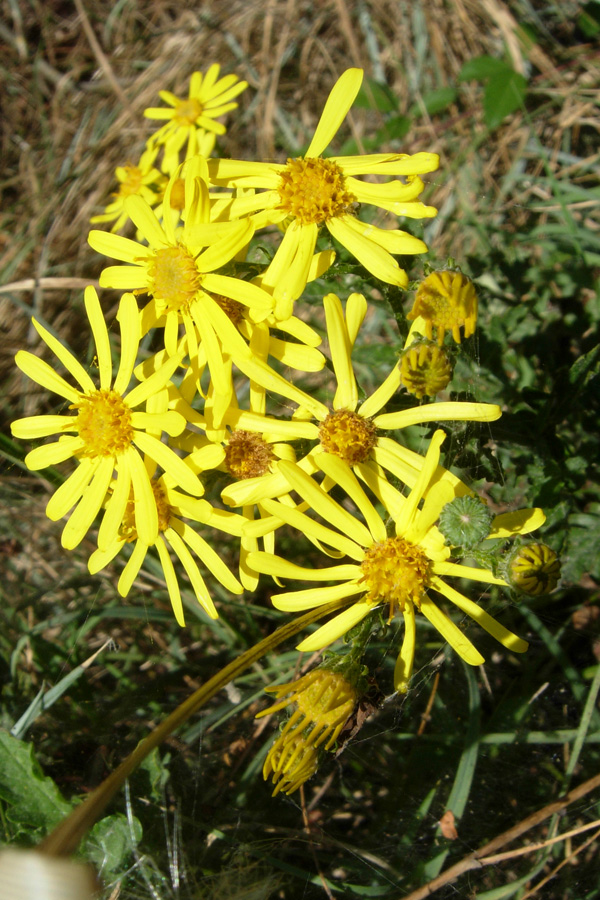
pixel 434 101
pixel 374 95
pixel 33 800
pixel 589 19
pixel 504 93
pixel 111 842
pixel 481 68
pixel 394 129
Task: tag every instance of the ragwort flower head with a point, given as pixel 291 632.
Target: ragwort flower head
pixel 534 569
pixel 399 571
pixel 324 700
pixel 178 518
pixel 179 271
pixel 351 432
pixel 109 431
pixel 192 121
pixel 447 301
pixel 143 180
pixel 311 191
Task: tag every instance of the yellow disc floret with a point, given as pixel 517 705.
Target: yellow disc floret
pixel 347 435
pixel 247 455
pixel 232 308
pixel 395 572
pixel 187 111
pixel 425 369
pixel 314 190
pixel 446 300
pixel 174 278
pixel 104 423
pixel 132 181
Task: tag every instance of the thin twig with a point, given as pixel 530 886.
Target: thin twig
pixel 474 859
pixel 101 56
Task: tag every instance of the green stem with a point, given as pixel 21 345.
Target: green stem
pixel 66 836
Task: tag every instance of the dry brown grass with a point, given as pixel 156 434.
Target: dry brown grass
pixel 77 78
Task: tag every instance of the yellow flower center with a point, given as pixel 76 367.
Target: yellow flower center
pixel 132 182
pixel 314 190
pixel 127 530
pixel 232 309
pixel 104 423
pixel 395 572
pixel 174 278
pixel 247 455
pixel 177 199
pixel 347 435
pixel 187 111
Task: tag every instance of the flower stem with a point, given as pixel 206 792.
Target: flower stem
pixel 66 836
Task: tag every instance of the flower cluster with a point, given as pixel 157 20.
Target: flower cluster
pixel 203 407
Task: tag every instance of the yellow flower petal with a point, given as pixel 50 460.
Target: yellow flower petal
pixel 336 628
pixel 373 257
pixel 521 521
pixel 101 340
pixel 115 509
pixel 346 395
pixel 324 505
pixel 42 426
pixel 406 657
pixel 449 631
pixel 341 98
pixel 440 412
pixel 146 515
pixel 308 526
pixel 44 375
pixel 191 567
pixel 72 365
pixel 268 564
pixel 133 566
pixel 51 454
pixel 209 557
pixel 89 506
pixel 171 580
pixel 129 320
pixel 342 474
pixel 66 496
pixel 146 221
pixel 170 462
pixel 297 601
pixel 498 631
pixel 459 571
pixel 405 520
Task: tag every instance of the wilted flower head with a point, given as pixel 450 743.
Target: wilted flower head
pixel 446 300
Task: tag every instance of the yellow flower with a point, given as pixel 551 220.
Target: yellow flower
pixel 534 569
pixel 425 369
pixel 448 301
pixel 132 180
pixel 400 571
pixel 312 191
pixel 350 431
pixel 177 535
pixel 193 119
pixel 179 271
pixel 109 432
pixel 324 701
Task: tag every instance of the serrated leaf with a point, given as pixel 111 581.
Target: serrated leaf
pixel 33 799
pixel 481 67
pixel 111 841
pixel 504 93
pixel 374 95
